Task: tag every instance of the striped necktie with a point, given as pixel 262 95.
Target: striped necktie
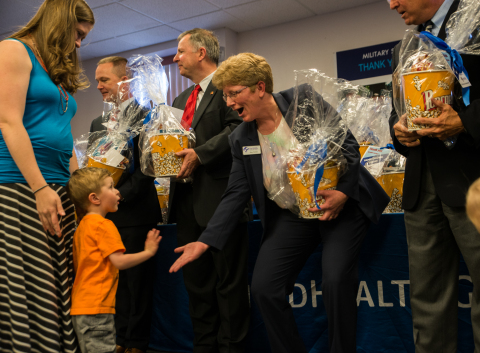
pixel 190 107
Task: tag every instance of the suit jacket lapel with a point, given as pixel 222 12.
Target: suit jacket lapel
pixel 256 162
pixel 181 100
pixel 281 102
pixel 442 34
pixel 206 99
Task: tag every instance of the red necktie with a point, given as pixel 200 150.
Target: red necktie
pixel 190 108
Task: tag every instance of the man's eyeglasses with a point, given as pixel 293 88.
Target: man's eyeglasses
pixel 233 95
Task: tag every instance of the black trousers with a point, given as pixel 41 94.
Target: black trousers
pixel 217 284
pixel 134 294
pixel 286 246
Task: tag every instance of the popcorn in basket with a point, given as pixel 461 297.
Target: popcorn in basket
pixel 311 156
pixel 112 148
pixel 430 68
pixel 391 181
pixel 163 134
pixel 162 185
pixel 367 116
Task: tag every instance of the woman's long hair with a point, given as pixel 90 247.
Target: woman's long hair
pixel 53 29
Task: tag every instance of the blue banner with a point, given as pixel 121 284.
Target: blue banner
pixel 383 297
pixel 367 62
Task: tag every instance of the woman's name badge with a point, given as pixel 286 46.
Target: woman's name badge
pixel 249 150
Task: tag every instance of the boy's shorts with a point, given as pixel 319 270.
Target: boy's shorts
pixel 95 333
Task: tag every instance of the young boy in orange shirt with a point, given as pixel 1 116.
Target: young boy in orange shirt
pixel 98 254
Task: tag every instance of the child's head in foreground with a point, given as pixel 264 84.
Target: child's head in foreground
pixel 473 204
pixel 91 191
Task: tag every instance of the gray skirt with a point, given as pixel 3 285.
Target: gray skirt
pixel 36 275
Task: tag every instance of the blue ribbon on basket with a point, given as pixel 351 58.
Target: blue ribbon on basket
pixel 457 62
pixel 317 150
pixel 389 145
pixel 149 115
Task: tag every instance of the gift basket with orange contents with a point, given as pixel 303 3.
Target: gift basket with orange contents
pixel 355 101
pixel 112 148
pixel 313 154
pixel 391 180
pixel 162 135
pixel 432 69
pixel 162 185
pixel 366 116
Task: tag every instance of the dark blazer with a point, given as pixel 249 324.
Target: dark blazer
pixel 452 170
pixel 246 178
pixel 140 205
pixel 212 123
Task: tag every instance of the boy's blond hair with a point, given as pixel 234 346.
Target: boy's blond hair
pixel 473 204
pixel 82 183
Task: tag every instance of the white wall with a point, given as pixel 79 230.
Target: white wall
pixel 313 42
pixel 302 44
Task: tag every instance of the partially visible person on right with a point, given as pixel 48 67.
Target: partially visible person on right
pixel 436 181
pixel 473 204
pixel 98 254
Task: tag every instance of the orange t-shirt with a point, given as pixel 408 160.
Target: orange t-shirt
pixel 96 279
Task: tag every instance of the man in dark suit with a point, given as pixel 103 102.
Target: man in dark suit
pixel 436 181
pixel 217 285
pixel 138 212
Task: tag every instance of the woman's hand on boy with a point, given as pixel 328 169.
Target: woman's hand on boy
pixel 153 238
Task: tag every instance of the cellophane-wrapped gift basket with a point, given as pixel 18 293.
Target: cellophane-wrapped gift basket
pixel 430 68
pixel 163 135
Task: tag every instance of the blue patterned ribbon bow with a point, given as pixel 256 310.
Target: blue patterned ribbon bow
pixel 457 62
pixel 317 151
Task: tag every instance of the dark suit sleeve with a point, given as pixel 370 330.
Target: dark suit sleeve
pixel 96 124
pixel 471 121
pixel 135 185
pixel 230 209
pixel 348 182
pixel 217 149
pixel 398 146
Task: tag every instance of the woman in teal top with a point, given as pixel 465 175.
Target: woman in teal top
pixel 40 72
pixel 47 126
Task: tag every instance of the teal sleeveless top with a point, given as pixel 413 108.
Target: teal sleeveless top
pixel 48 128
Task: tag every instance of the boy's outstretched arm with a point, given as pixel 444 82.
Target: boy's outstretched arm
pixel 123 261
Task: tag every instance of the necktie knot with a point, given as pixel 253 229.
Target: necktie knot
pixel 428 26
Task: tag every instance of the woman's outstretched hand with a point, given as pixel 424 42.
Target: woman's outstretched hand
pixel 191 252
